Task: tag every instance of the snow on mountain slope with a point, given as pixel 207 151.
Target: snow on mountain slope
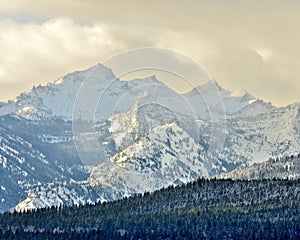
pixel 236 104
pixel 67 194
pixel 255 139
pixel 166 155
pixel 34 154
pixel 57 99
pixel 56 194
pixel 252 140
pixel 248 140
pixel 151 135
pixel 20 164
pixel 127 127
pixel 279 168
pixel 98 83
pixel 256 108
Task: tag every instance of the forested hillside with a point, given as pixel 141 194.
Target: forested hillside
pixel 204 209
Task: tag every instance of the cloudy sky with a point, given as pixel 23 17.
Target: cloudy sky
pixel 252 45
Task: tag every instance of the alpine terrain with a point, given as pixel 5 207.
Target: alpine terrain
pixel 149 137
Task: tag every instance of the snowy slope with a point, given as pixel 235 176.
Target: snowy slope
pixel 255 139
pixel 166 155
pixel 127 127
pixel 20 166
pixel 248 140
pixel 56 194
pixel 235 103
pixel 57 99
pixel 152 136
pixel 31 155
pixel 98 83
pixel 279 168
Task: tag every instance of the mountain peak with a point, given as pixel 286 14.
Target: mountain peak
pixel 57 98
pixel 244 95
pixel 98 71
pixel 152 161
pixel 211 85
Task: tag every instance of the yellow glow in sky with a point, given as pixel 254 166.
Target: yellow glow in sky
pixel 252 45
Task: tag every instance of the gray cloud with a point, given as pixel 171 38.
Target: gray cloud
pixel 242 44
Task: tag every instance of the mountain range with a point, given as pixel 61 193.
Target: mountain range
pixel 149 137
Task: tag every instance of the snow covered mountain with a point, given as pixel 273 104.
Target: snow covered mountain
pixel 162 157
pixel 151 137
pixel 167 155
pixel 127 127
pixel 279 168
pixel 273 134
pixel 62 193
pixel 34 153
pixel 247 140
pixel 55 194
pixel 236 104
pixel 57 99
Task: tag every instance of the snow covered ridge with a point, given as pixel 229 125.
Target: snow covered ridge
pixel 34 153
pixel 55 194
pixel 168 155
pixel 148 144
pixel 278 168
pixel 165 155
pixel 57 99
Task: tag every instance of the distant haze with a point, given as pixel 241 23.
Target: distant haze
pixel 252 45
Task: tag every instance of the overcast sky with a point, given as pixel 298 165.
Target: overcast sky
pixel 252 45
